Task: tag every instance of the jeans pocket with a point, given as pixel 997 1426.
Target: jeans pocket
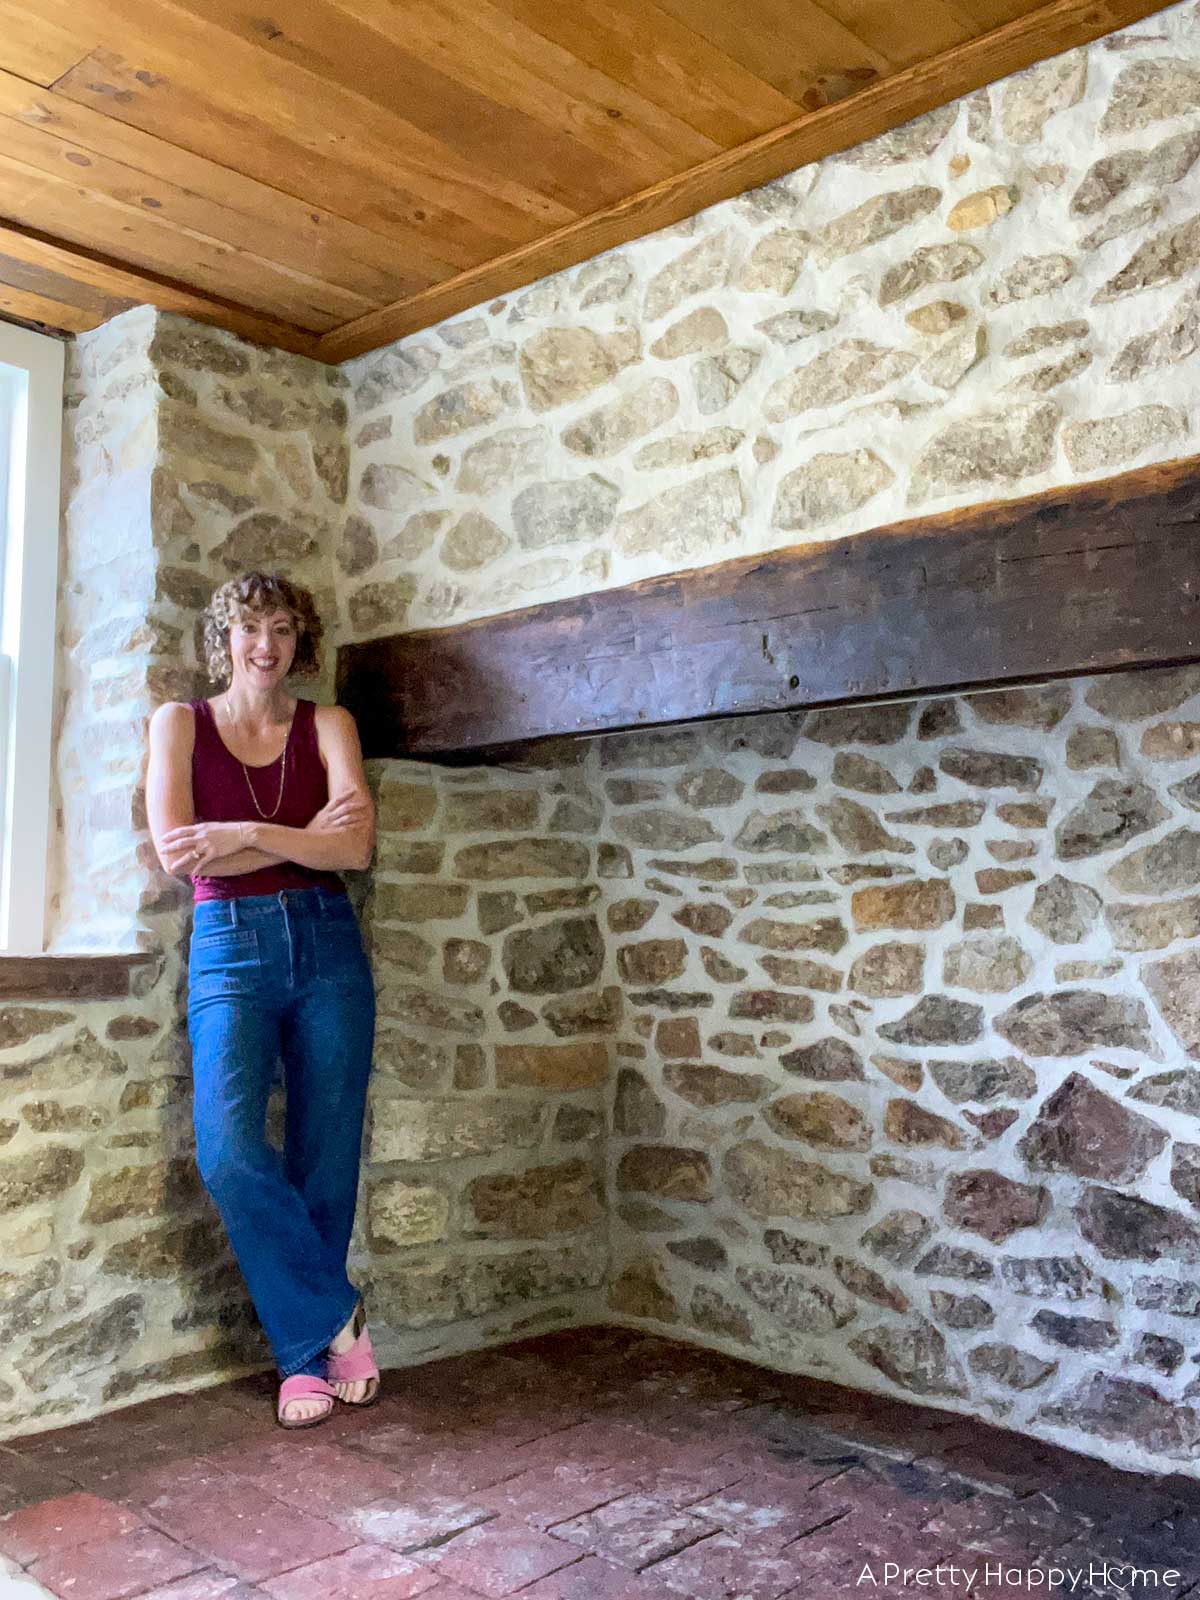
pixel 225 962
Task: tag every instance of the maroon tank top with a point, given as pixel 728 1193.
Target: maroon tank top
pixel 221 793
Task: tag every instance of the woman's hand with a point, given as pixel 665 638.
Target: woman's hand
pixel 191 849
pixel 347 810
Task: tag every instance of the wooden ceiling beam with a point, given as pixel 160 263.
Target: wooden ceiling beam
pixel 121 283
pixel 1091 578
pixel 1061 25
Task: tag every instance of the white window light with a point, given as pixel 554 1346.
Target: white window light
pixel 31 397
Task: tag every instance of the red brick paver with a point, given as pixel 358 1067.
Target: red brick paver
pixel 597 1464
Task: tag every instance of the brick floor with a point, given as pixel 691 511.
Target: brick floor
pixel 593 1465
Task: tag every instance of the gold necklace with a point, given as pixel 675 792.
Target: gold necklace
pixel 267 815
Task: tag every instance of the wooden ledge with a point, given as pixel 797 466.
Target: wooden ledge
pixel 70 977
pixel 1086 578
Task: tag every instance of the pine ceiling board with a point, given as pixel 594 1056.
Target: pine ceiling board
pixel 121 283
pixel 35 47
pixel 567 163
pixel 481 45
pixel 66 208
pixel 429 239
pixel 787 43
pixel 261 218
pixel 643 46
pixel 995 13
pixel 149 205
pixel 55 286
pixel 1058 26
pixel 894 29
pixel 246 101
pixel 23 306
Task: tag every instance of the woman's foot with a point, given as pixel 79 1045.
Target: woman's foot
pixel 304 1401
pixel 362 1391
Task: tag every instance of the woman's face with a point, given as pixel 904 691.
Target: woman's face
pixel 262 646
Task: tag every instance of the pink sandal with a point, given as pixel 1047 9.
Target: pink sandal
pixel 356 1365
pixel 304 1386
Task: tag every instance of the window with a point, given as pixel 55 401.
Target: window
pixel 31 394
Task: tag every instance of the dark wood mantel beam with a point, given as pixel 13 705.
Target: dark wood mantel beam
pixel 1090 578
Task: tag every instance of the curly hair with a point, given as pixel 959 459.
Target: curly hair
pixel 259 593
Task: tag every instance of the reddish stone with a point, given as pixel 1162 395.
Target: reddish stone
pixel 110 1569
pixel 54 1525
pixel 988 1203
pixel 501 1557
pixel 1082 1130
pixel 594 1579
pixel 369 1571
pixel 634 1531
pixel 248 1532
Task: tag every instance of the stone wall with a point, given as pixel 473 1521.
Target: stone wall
pixel 498 1000
pixel 992 300
pixel 907 1089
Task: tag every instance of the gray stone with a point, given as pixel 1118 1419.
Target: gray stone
pixel 1174 985
pixel 702 267
pixel 980 1081
pixel 988 964
pixel 382 604
pixel 1148 91
pixel 685 523
pixel 829 486
pixel 872 725
pixel 1046 337
pixel 392 373
pixel 934 1020
pixel 499 459
pixel 658 828
pixel 1152 927
pixel 473 542
pixel 773 265
pixel 912 141
pixel 457 409
pixel 829 1060
pixel 682 449
pixel 1172 341
pixel 798 1304
pixel 389 487
pixel 877 218
pixel 1095 446
pixel 786 327
pixel 1005 1364
pixel 914 1358
pixel 849 370
pixel 1172 863
pixel 567 953
pixel 1125 1227
pixel 887 970
pixel 947 365
pixel 1163 259
pixel 718 378
pixel 992 447
pixel 989 769
pixel 1072 1022
pixel 938 263
pixel 858 830
pixel 1030 98
pixel 1063 911
pixel 1131 696
pixel 564 511
pixel 779 830
pixel 616 425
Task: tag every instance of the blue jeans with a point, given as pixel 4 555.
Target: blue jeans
pixel 283 977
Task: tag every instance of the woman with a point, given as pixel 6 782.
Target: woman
pixel 260 798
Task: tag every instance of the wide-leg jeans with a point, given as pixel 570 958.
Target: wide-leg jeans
pixel 283 977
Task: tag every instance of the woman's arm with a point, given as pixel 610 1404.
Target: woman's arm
pixel 341 835
pixel 169 804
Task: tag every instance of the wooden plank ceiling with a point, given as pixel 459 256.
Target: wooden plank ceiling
pixel 328 175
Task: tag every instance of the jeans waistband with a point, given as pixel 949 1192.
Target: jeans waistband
pixel 315 902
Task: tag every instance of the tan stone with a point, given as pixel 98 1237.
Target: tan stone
pixel 490 811
pixel 706 1086
pixel 773 266
pixel 716 379
pixel 1098 445
pixel 939 263
pixel 906 1122
pixel 523 858
pixel 674 1174
pixel 829 486
pixel 1171 741
pixel 987 964
pixel 1147 91
pixel 556 1067
pixel 684 448
pixel 694 520
pixel 886 970
pixel 702 329
pixel 849 370
pixel 1172 341
pixel 819 1118
pixel 419 902
pixel 473 542
pixel 982 208
pixel 937 317
pixel 502 457
pixel 401 1213
pixel 614 426
pixel 921 903
pixel 770 1182
pixel 536 1202
pixel 405 807
pixel 439 1130
pixel 949 363
pixel 995 447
